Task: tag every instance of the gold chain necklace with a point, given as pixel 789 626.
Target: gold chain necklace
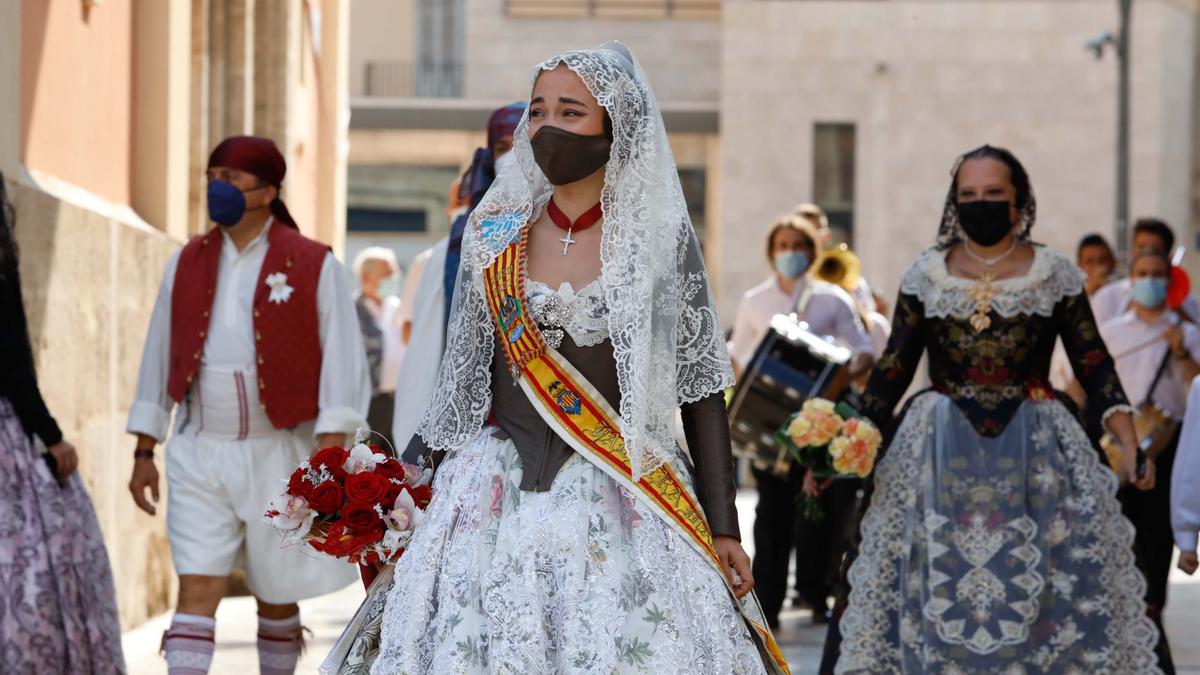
pixel 982 293
pixel 984 290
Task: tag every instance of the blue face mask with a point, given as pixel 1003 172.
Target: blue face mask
pixel 1149 292
pixel 226 203
pixel 791 264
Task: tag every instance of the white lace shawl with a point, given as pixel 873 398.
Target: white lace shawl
pixel 1051 277
pixel 667 339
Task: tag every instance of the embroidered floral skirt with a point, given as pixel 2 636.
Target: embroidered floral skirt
pixel 58 611
pixel 997 555
pixel 582 579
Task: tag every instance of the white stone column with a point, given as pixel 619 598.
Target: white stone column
pixel 161 74
pixel 231 67
pixel 334 145
pixel 199 121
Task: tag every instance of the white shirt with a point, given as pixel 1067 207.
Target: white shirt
pixel 345 387
pixel 409 295
pixel 1139 348
pixel 880 330
pixel 830 312
pixel 423 359
pixel 1112 300
pixel 1062 373
pixel 387 316
pixel 1185 477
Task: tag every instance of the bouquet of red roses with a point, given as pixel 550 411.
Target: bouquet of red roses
pixel 359 505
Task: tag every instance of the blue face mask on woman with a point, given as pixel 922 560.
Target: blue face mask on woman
pixel 791 264
pixel 1149 292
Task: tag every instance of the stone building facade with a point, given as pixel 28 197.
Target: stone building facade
pixel 105 130
pixel 919 82
pixel 859 105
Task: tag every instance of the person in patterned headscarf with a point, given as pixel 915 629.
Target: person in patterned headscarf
pixel 430 286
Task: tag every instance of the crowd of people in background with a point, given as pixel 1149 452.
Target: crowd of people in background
pixel 262 350
pixel 1156 350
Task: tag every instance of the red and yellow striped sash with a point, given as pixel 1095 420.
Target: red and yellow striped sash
pixel 569 404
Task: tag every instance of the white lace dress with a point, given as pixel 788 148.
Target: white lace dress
pixel 994 541
pixel 581 578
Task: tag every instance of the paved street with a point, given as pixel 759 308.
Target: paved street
pixel 801 641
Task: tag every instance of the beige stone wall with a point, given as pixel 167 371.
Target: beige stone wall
pixel 924 81
pixel 90 273
pixel 681 56
pixel 10 97
pixel 75 93
pixel 381 31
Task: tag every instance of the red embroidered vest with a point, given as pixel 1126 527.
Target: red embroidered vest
pixel 287 334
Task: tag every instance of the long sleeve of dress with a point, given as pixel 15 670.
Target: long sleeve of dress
pixel 1093 365
pixel 151 410
pixel 706 427
pixel 1185 477
pixel 345 389
pixel 18 380
pixel 895 370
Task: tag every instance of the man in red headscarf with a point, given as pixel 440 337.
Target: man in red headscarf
pixel 254 337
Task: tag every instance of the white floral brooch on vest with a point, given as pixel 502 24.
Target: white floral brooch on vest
pixel 280 291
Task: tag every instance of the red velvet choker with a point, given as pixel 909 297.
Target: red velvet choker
pixel 562 222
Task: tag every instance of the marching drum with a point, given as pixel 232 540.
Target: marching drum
pixel 791 365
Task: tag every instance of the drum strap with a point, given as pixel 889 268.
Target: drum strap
pixel 805 298
pixel 1162 367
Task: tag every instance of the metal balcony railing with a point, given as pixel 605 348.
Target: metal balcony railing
pixel 405 78
pixel 390 78
pixel 614 9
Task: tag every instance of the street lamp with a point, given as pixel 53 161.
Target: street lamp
pixel 1120 45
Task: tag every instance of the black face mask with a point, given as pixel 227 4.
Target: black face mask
pixel 567 157
pixel 985 222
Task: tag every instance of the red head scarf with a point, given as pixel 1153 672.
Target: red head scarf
pixel 259 157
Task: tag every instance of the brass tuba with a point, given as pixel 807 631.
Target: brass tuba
pixel 838 266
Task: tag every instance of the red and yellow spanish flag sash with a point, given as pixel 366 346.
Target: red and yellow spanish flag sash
pixel 573 408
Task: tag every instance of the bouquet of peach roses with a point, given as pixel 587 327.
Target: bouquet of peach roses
pixel 830 440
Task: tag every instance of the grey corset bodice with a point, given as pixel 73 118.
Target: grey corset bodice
pixel 543 452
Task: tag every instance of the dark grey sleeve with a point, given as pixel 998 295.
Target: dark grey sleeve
pixel 417 452
pixel 706 426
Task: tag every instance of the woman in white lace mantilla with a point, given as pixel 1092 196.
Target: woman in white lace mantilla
pixel 993 541
pixel 568 532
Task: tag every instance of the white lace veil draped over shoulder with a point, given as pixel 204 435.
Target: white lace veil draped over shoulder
pixel 667 338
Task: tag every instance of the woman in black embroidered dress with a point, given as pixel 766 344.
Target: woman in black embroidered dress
pixel 994 542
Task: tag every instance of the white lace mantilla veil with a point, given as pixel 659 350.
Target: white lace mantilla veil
pixel 666 335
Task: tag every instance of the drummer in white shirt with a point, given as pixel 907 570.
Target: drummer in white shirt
pixel 792 245
pixel 1113 299
pixel 1157 355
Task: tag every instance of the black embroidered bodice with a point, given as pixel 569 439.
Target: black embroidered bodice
pixel 988 374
